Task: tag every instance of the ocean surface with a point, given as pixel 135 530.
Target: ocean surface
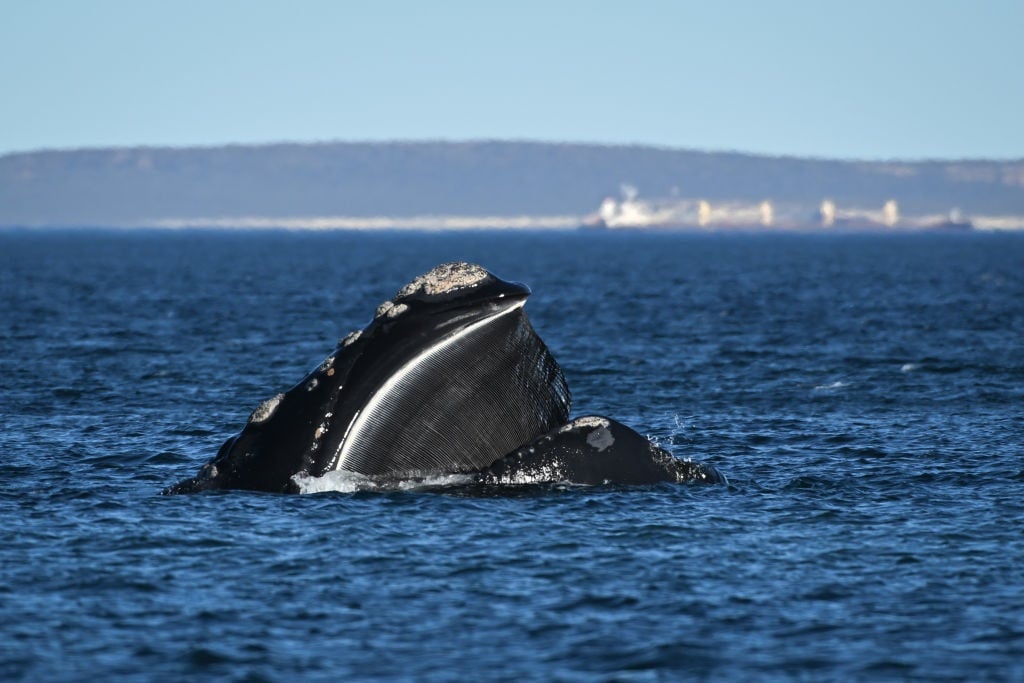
pixel 864 395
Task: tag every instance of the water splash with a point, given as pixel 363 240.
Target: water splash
pixel 342 481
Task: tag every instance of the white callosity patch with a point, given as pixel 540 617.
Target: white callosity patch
pixel 390 309
pixel 601 438
pixel 590 421
pixel 265 410
pixel 351 338
pixel 447 277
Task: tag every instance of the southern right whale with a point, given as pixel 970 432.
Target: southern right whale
pixel 448 378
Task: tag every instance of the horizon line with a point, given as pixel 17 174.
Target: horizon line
pixel 496 140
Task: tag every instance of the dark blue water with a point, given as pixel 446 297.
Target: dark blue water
pixel 864 395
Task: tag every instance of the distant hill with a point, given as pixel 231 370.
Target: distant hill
pixel 125 186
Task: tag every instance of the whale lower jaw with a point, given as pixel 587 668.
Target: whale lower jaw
pixel 589 451
pixel 378 413
pixel 594 450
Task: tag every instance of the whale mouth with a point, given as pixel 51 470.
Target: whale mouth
pixel 478 381
pixel 415 381
pixel 447 377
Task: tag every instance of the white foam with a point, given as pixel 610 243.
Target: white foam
pixel 909 367
pixel 435 481
pixel 545 474
pixel 552 472
pixel 343 481
pixel 838 384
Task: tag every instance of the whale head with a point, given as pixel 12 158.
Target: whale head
pixel 448 376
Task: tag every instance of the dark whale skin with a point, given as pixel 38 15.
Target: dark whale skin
pixel 595 450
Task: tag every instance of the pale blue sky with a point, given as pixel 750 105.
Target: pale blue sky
pixel 867 79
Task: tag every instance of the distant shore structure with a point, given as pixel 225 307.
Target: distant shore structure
pixel 395 223
pixel 686 215
pixel 631 212
pixel 499 184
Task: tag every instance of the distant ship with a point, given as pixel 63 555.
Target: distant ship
pixel 631 213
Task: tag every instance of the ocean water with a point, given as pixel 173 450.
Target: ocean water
pixel 863 394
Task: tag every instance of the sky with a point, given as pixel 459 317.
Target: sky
pixel 890 79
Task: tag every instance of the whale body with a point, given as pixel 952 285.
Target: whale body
pixel 449 377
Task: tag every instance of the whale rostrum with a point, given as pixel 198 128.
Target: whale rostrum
pixel 448 378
